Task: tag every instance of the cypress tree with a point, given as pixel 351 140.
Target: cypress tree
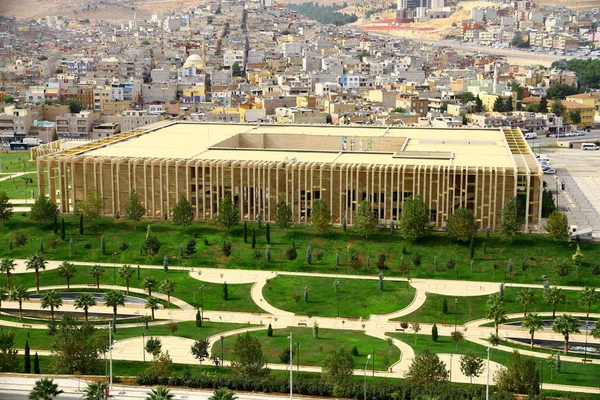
pixel 253 238
pixel 225 291
pixel 62 229
pixel 268 233
pixel 27 358
pixel 138 272
pixel 445 306
pixel 270 331
pixel 36 364
pixel 41 245
pixel 81 224
pixel 472 247
pixel 103 245
pixel 434 333
pixel 245 232
pixel 55 224
pixel 198 319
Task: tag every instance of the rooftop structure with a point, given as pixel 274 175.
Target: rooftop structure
pixel 260 165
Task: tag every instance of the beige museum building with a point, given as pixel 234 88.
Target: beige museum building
pixel 261 165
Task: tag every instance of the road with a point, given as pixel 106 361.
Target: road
pixel 550 141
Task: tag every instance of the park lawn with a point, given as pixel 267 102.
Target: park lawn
pixel 16 161
pixel 313 351
pixel 358 298
pixel 17 188
pixel 40 340
pixel 538 250
pixel 186 287
pixel 475 307
pixel 572 373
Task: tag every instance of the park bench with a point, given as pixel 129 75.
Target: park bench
pixel 399 330
pixel 446 325
pixel 92 284
pixel 255 312
pixel 27 326
pixel 302 324
pixel 587 361
pixel 352 319
pixel 205 319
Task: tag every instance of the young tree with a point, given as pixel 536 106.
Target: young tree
pixel 149 283
pixel 36 262
pixel 91 207
pixel 427 368
pixel 183 213
pixel 44 389
pixel 151 243
pixel 365 220
pixel 167 287
pixel 19 293
pixel 43 210
pixel 543 106
pixel 253 238
pixel 565 325
pixel 7 266
pixel 125 273
pixel 5 207
pixel 27 356
pixel 85 301
pixel 67 270
pixel 248 359
pixel 200 349
pixel 512 220
pixel 134 209
pixel 96 271
pixel 228 215
pixel 225 291
pixel 499 105
pixel 495 310
pixel 414 223
pixel 268 233
pixel 338 367
pixel 114 299
pixel 434 333
pixel 519 376
pixel 461 224
pixel 320 216
pixel 553 296
pixel 471 365
pixel 36 364
pixel 51 300
pixel 588 297
pixel 525 297
pixel 284 217
pixel 557 225
pixel 478 105
pixel 557 108
pixel 534 323
pixel 152 304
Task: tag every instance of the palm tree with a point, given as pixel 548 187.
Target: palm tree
pixel 167 287
pixel 3 296
pixel 114 298
pixel 525 297
pixel 44 389
pixel 588 297
pixel 97 271
pixel 565 325
pixel 534 323
pixel 7 266
pixel 67 271
pixel 223 394
pixel 95 391
pixel 152 304
pixel 19 293
pixel 36 262
pixel 160 393
pixel 85 301
pixel 496 311
pixel 53 300
pixel 126 272
pixel 553 296
pixel 149 284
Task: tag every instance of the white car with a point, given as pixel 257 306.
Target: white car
pixel 580 133
pixel 550 171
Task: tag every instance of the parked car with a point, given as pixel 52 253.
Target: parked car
pixel 550 171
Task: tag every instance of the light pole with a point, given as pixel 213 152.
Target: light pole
pixel 542 374
pixel 144 345
pixel 202 296
pixel 365 375
pixel 455 311
pixel 487 383
pixel 114 268
pixel 451 367
pixel 291 365
pixel 373 365
pixel 110 345
pixel 222 339
pixel 586 335
pixel 337 291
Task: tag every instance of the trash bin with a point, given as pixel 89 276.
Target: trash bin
pixel 563 185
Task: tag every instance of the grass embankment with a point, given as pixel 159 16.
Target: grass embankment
pixel 314 350
pixel 357 298
pixel 186 287
pixel 16 161
pixel 571 373
pixel 539 251
pixel 475 307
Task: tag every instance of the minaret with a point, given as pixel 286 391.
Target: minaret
pixel 495 75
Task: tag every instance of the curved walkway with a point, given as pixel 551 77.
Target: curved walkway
pixel 257 296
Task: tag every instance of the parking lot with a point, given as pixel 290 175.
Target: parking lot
pixel 578 169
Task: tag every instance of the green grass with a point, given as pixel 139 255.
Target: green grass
pixel 16 188
pixel 572 373
pixel 357 298
pixel 16 161
pixel 474 307
pixel 539 250
pixel 313 351
pixel 186 287
pixel 40 340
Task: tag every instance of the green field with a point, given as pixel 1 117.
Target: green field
pixel 474 307
pixel 538 250
pixel 186 287
pixel 571 373
pixel 16 161
pixel 18 188
pixel 313 351
pixel 357 298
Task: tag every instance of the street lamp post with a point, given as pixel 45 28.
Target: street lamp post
pixel 114 268
pixel 365 375
pixel 487 383
pixel 144 345
pixel 451 367
pixel 373 365
pixel 542 374
pixel 291 365
pixel 586 328
pixel 222 354
pixel 337 291
pixel 110 345
pixel 202 296
pixel 455 311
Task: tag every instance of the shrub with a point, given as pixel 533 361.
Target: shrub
pixel 205 241
pixel 53 241
pixel 445 306
pixel 291 253
pixel 355 351
pixel 404 325
pixel 381 261
pixel 21 239
pixel 270 331
pixel 451 263
pixel 318 254
pixel 87 246
pixel 123 246
pixel 226 248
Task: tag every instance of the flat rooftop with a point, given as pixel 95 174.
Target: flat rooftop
pixel 318 143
